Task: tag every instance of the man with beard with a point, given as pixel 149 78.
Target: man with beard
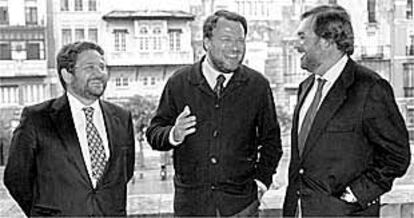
pixel 219 118
pixel 349 140
pixel 73 155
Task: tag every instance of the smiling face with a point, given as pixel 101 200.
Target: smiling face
pixel 226 47
pixel 309 45
pixel 89 78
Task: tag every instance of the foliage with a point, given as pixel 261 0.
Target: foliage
pixel 142 110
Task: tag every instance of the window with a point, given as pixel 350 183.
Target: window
pixel 125 81
pixel 64 5
pixel 93 34
pixel 371 11
pixel 157 38
pixel 145 81
pixel 79 34
pixel 31 15
pixel 175 39
pixel 332 2
pixel 5 51
pixel 410 47
pixel 78 5
pixel 143 39
pixel 152 80
pixel 66 36
pixel 120 40
pixel 118 81
pixel 408 73
pixel 9 94
pixel 4 15
pixel 121 81
pixel 92 5
pixel 33 51
pixel 409 9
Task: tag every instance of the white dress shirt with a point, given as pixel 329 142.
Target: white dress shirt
pixel 330 76
pixel 79 120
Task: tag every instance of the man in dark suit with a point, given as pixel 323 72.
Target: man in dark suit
pixel 73 155
pixel 219 118
pixel 349 140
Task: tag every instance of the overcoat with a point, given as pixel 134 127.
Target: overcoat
pixel 216 166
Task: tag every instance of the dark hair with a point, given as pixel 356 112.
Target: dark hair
pixel 211 21
pixel 68 55
pixel 332 22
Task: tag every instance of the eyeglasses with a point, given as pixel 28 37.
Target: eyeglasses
pixel 92 67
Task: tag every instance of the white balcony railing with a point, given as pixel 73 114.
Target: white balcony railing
pixel 18 68
pixel 126 58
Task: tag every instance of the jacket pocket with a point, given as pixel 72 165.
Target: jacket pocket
pixel 45 210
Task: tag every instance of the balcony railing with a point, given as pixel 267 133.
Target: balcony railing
pixel 150 58
pixel 374 52
pixel 16 68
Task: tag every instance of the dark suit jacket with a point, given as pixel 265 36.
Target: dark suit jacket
pixel 216 166
pixel 46 173
pixel 358 139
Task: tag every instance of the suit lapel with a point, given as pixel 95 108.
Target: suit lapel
pixel 112 123
pixel 332 102
pixel 304 88
pixel 63 122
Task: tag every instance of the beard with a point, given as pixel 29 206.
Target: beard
pixel 93 89
pixel 228 65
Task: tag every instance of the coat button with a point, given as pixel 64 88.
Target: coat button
pixel 301 171
pixel 298 193
pixel 217 106
pixel 215 133
pixel 213 160
pixel 213 187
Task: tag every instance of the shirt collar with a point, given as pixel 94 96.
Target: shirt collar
pixel 211 74
pixel 333 73
pixel 77 105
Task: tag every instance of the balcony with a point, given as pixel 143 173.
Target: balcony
pixel 23 68
pixel 126 58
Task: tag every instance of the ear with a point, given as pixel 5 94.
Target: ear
pixel 206 43
pixel 327 43
pixel 67 77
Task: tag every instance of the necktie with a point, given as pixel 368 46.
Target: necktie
pixel 95 145
pixel 218 89
pixel 310 115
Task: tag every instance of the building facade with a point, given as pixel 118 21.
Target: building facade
pixel 144 48
pixel 24 76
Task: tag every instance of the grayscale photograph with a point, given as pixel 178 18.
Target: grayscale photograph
pixel 207 108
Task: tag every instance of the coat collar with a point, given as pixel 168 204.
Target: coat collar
pixel 196 78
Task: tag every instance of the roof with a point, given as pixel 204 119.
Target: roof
pixel 148 14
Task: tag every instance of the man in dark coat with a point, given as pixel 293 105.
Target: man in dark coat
pixel 224 132
pixel 73 156
pixel 349 140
